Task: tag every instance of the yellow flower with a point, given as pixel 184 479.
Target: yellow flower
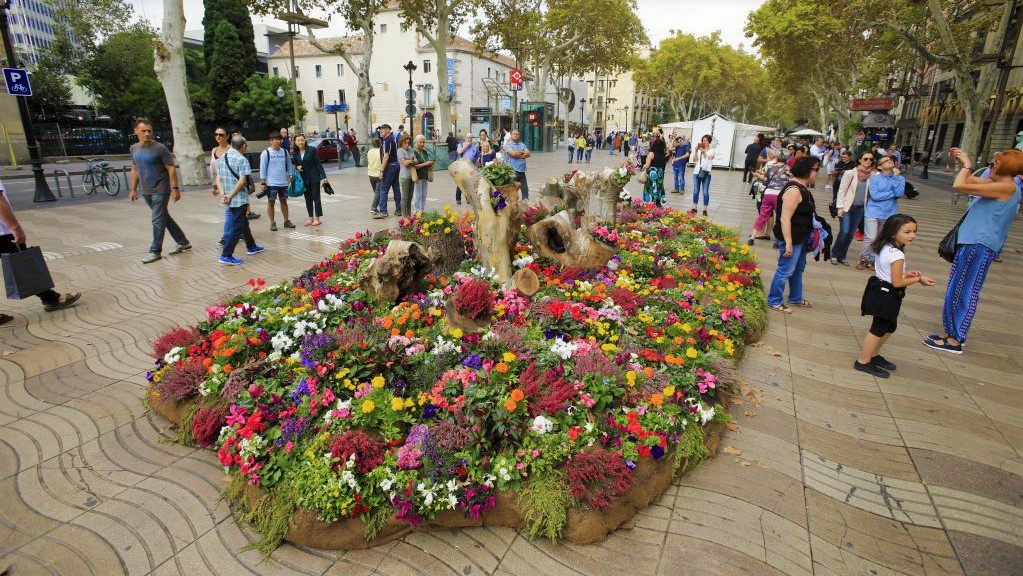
pixel 687 328
pixel 630 378
pixel 668 391
pixel 509 356
pixel 397 404
pixel 368 406
pixel 378 381
pixel 609 348
pixel 691 352
pixel 456 333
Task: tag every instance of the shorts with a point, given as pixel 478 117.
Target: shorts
pixel 881 326
pixel 272 192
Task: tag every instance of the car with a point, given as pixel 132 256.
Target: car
pixel 326 149
pixel 92 141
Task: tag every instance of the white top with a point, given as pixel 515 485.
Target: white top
pixel 703 160
pixel 884 260
pixel 4 229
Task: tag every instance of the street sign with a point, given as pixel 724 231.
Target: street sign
pixel 410 109
pixel 410 94
pixel 872 104
pixel 335 108
pixel 515 78
pixel 17 82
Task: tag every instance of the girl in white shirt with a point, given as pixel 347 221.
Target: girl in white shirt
pixel 703 158
pixel 883 295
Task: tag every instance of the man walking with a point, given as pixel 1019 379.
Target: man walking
pixel 285 141
pixel 352 141
pixel 517 154
pixel 233 170
pixel 680 157
pixel 452 143
pixel 275 171
pixel 469 152
pixel 752 153
pixel 152 169
pixel 389 176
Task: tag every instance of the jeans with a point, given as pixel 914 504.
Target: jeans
pixel 579 154
pixel 871 226
pixel 520 177
pixel 571 154
pixel 747 172
pixel 389 180
pixel 847 226
pixel 790 270
pixel 239 226
pixel 7 246
pixel 374 183
pixel 419 196
pixel 589 154
pixel 162 222
pixel 679 169
pixel 312 199
pixel 705 183
pixel 406 195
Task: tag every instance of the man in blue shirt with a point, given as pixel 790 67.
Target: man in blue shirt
pixel 679 158
pixel 469 152
pixel 276 170
pixel 517 153
pixel 634 143
pixel 233 170
pixel 389 173
pixel 153 171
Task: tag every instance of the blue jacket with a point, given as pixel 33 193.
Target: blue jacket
pixel 885 192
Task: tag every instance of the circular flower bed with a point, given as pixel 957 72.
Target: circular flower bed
pixel 336 413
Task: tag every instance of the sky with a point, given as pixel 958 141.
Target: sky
pixel 697 17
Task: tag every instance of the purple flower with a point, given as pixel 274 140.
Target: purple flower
pixel 630 464
pixel 301 390
pixel 657 452
pixel 473 361
pixel 429 411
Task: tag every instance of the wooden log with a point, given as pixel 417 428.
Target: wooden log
pixel 556 237
pixel 494 231
pixel 526 282
pixel 597 195
pixel 398 273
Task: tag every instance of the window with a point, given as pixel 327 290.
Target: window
pixel 319 71
pixel 383 28
pixel 319 99
pixel 426 66
pixel 341 97
pixel 294 73
pixel 276 71
pixel 600 84
pixel 340 69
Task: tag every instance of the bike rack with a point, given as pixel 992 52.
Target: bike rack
pixel 126 174
pixel 56 179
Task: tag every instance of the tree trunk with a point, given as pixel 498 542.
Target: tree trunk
pixel 494 231
pixel 556 237
pixel 169 65
pixel 445 98
pixel 398 273
pixel 598 194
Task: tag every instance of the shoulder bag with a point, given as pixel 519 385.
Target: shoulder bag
pixel 948 245
pixel 297 186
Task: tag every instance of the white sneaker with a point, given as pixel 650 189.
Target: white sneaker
pixel 827 186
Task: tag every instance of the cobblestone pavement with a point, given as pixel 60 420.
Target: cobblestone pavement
pixel 831 472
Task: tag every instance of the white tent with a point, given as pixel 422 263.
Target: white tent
pixel 729 138
pixel 806 132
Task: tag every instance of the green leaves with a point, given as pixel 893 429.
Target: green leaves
pixel 259 103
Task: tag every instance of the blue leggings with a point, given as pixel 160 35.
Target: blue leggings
pixel 965 279
pixel 705 183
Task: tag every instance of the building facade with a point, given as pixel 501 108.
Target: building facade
pixel 32 29
pixel 617 103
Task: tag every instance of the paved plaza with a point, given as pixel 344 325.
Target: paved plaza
pixel 827 471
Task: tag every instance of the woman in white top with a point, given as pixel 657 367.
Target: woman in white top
pixel 703 158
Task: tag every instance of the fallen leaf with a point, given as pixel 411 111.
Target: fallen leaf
pixel 745 389
pixel 760 464
pixel 744 462
pixel 629 525
pixel 773 352
pixel 731 427
pixel 757 344
pixel 735 400
pixel 758 397
pixel 732 451
pixel 749 414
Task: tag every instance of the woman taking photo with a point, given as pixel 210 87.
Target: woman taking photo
pixel 703 159
pixel 423 161
pixel 795 223
pixel 308 164
pixel 852 196
pixel 981 237
pixel 653 191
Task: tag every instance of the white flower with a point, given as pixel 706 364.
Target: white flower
pixel 624 195
pixel 612 264
pixel 705 415
pixel 563 349
pixel 522 262
pixel 173 356
pixel 444 346
pixel 503 473
pixel 541 425
pixel 281 341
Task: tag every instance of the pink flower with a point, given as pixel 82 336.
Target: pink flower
pixel 520 465
pixel 536 453
pixel 288 446
pixel 215 312
pixel 237 416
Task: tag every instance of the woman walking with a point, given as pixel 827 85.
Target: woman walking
pixel 423 165
pixel 580 148
pixel 795 223
pixel 373 170
pixel 653 191
pixel 981 237
pixel 309 167
pixel 852 195
pixel 775 175
pixel 703 158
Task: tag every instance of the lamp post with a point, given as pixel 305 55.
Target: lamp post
pixel 626 109
pixel 410 99
pixel 42 190
pixel 280 96
pixel 944 89
pixel 582 111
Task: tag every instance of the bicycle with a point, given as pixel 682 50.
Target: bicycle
pixel 99 174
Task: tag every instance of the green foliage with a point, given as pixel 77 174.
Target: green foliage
pixel 259 102
pixel 544 503
pixel 185 430
pixel 691 449
pixel 89 22
pixel 226 68
pixel 375 522
pixel 754 311
pixel 234 14
pixel 51 91
pixel 270 516
pixel 498 173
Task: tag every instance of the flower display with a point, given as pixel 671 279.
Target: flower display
pixel 359 410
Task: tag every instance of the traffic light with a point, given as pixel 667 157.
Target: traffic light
pixel 346 119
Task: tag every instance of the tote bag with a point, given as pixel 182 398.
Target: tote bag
pixel 26 273
pixel 297 187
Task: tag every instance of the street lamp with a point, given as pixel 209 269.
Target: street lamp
pixel 626 108
pixel 42 192
pixel 582 111
pixel 410 99
pixel 944 90
pixel 280 96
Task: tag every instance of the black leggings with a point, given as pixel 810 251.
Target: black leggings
pixel 312 199
pixel 7 246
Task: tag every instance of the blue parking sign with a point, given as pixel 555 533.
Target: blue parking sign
pixel 17 82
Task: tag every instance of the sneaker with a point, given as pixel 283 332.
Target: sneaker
pixel 704 213
pixel 230 261
pixel 945 346
pixel 939 337
pixel 181 248
pixel 288 224
pixel 273 226
pixel 374 211
pixel 749 242
pixel 255 250
pixel 882 363
pixel 151 257
pixel 871 369
pixel 252 216
pixel 380 215
pixel 65 301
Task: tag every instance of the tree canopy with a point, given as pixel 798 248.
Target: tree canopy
pixel 226 68
pixel 259 104
pixel 236 14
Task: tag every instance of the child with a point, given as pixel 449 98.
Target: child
pixel 883 295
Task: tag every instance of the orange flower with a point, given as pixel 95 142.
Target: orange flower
pixel 387 322
pixel 409 334
pixel 517 394
pixel 648 372
pixel 395 332
pixel 227 368
pixel 503 369
pixel 656 399
pixel 510 405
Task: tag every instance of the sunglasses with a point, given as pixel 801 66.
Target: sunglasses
pixel 219 134
pixel 866 159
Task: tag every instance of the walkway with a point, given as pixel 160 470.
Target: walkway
pixel 828 471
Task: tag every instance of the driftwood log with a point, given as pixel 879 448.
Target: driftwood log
pixel 558 238
pixel 398 273
pixel 494 232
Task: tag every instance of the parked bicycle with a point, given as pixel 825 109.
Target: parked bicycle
pixel 100 175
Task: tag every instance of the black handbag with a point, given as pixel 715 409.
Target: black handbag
pixel 833 209
pixel 948 244
pixel 911 191
pixel 26 273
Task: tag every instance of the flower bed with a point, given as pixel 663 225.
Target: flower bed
pixel 346 422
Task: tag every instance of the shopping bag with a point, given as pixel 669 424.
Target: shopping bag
pixel 26 273
pixel 297 187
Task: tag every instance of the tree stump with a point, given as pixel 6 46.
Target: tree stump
pixel 526 282
pixel 495 231
pixel 598 195
pixel 449 248
pixel 398 273
pixel 557 238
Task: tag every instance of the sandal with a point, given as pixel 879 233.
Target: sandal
pixel 781 308
pixel 804 303
pixel 65 301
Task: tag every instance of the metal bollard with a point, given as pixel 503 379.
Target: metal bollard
pixel 126 174
pixel 56 180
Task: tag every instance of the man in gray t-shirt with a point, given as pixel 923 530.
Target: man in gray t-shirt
pixel 152 170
